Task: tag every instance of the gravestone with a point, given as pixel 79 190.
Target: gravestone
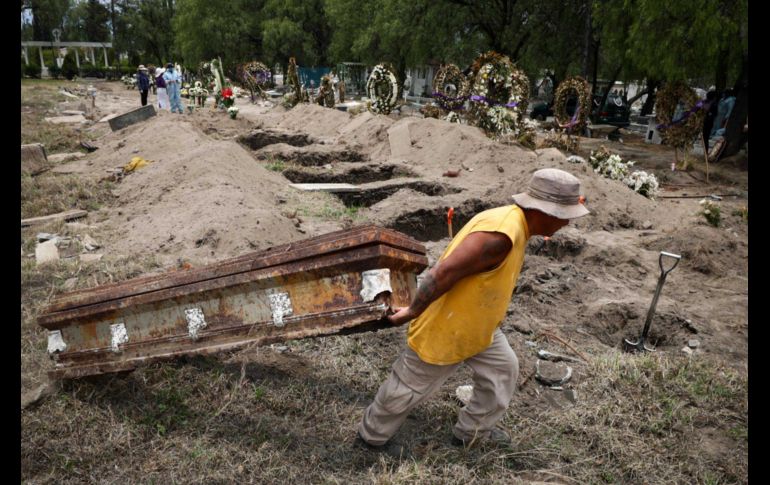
pixel 132 117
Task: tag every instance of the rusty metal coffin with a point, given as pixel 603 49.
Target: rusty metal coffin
pixel 341 282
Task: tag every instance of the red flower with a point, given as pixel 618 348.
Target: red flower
pixel 227 93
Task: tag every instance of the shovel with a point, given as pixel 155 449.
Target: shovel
pixel 640 345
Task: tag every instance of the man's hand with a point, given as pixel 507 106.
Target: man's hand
pixel 401 316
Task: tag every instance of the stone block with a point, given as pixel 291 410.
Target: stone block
pixel 133 116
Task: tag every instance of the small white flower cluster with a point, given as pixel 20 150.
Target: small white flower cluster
pixel 198 90
pixel 644 183
pixel 575 159
pixel 232 109
pixel 453 117
pixel 614 168
pixel 129 81
pixel 711 211
pixel 611 167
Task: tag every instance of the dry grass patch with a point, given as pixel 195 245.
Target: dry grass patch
pixel 38 100
pixel 40 284
pixel 50 193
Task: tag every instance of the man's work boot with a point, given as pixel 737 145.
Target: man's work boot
pixel 390 448
pixel 497 437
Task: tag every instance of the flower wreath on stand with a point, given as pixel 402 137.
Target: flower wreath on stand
pixel 569 125
pixel 325 93
pixel 574 86
pixel 680 115
pixel 295 94
pixel 382 89
pixel 199 94
pixel 256 77
pixel 450 88
pixel 498 93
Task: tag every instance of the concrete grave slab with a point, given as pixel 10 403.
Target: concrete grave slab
pixel 327 187
pixel 400 140
pixel 65 157
pixel 33 159
pixel 67 119
pixel 46 252
pixel 132 117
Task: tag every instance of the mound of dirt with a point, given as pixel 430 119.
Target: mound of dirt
pixel 200 199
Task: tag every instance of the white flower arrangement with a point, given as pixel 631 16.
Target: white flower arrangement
pixel 382 79
pixel 611 166
pixel 232 111
pixel 499 96
pixel 643 183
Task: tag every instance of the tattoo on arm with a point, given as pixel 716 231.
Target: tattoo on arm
pixel 425 295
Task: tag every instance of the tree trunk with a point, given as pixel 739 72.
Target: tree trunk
pixel 649 103
pixel 596 68
pixel 609 87
pixel 740 113
pixel 638 95
pixel 720 78
pixel 587 40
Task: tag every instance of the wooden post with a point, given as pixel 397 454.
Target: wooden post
pixel 705 155
pixel 42 64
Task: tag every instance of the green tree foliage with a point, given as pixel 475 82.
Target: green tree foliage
pixel 87 21
pixel 296 28
pixel 673 40
pixel 146 27
pixel 46 16
pixel 205 30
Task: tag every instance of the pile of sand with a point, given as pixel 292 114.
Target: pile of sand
pixel 200 199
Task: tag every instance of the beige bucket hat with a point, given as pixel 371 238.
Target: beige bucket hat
pixel 555 192
pixel 141 67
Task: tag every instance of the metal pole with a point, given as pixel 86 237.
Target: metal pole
pixel 77 56
pixel 26 56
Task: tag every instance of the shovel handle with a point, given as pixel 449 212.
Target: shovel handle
pixel 676 258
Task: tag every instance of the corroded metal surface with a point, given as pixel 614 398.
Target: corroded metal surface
pixel 305 289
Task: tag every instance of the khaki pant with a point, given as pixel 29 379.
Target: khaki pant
pixel 412 381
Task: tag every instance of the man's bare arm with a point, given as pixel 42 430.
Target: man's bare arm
pixel 479 252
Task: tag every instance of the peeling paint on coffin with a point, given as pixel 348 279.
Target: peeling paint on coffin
pixel 375 282
pixel 195 321
pixel 119 336
pixel 56 342
pixel 280 304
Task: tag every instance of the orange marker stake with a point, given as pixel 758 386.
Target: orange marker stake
pixel 449 216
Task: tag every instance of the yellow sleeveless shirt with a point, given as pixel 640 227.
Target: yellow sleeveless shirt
pixel 461 323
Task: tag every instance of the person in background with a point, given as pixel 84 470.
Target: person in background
pixel 173 88
pixel 723 113
pixel 711 113
pixel 143 83
pixel 163 101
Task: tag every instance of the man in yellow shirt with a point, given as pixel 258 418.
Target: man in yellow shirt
pixel 457 311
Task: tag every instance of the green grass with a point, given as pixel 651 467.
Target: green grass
pixel 276 165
